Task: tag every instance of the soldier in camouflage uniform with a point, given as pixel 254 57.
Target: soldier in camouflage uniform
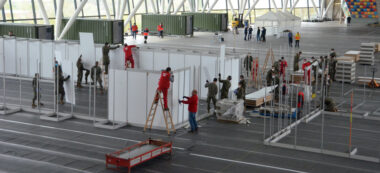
pixel 36 91
pixel 243 85
pixel 212 92
pixel 270 75
pixel 240 91
pixel 296 60
pixel 226 87
pixel 80 72
pixel 96 72
pixel 106 59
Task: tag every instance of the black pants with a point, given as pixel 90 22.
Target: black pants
pixel 162 34
pixel 297 43
pixel 263 38
pixel 106 68
pixel 290 42
pixel 35 97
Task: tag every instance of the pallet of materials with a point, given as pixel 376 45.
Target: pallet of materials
pixel 259 97
pixel 231 111
pixel 137 154
pixel 366 80
pixel 345 58
pixel 283 112
pixel 367 51
pixel 298 77
pixel 353 53
pixel 345 71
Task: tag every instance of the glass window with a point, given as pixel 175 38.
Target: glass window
pixel 262 4
pixel 49 8
pixel 22 9
pixel 103 9
pixel 69 8
pixel 7 11
pixel 91 8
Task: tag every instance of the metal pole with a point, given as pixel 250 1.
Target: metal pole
pixel 113 93
pixel 19 76
pixel 43 12
pixel 179 6
pixel 132 14
pixel 72 19
pixel 73 91
pixel 96 80
pixel 89 96
pixel 153 6
pixel 265 107
pixel 323 92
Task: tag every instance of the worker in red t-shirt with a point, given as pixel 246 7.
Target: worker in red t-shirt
pixel 300 103
pixel 134 30
pixel 306 67
pixel 283 66
pixel 164 85
pixel 193 109
pixel 128 55
pixel 160 29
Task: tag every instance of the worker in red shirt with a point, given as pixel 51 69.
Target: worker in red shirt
pixel 306 67
pixel 128 55
pixel 283 66
pixel 193 109
pixel 160 29
pixel 300 103
pixel 134 30
pixel 164 85
pixel 146 34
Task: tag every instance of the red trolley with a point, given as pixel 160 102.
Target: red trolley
pixel 137 154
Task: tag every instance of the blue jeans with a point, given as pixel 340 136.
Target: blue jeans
pixel 258 37
pixel 134 33
pixel 193 121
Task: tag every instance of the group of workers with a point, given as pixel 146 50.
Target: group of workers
pixel 135 29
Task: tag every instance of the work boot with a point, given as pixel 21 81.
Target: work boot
pixel 166 109
pixel 41 104
pixel 79 85
pixel 34 105
pixel 61 102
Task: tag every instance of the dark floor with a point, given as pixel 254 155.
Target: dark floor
pixel 28 144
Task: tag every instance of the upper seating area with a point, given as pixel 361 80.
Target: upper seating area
pixel 362 8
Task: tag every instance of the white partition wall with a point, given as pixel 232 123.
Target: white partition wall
pixel 73 55
pixel 34 56
pixel 131 101
pixel 209 67
pixel 22 59
pixel 10 54
pixel 47 59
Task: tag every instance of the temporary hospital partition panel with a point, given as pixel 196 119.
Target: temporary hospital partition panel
pixel 138 103
pixel 146 59
pixel 73 55
pixel 117 96
pixel 34 56
pixel 98 53
pixel 68 69
pixel 117 59
pixel 235 73
pixel 47 59
pixel 208 71
pixel 10 54
pixel 194 62
pixel 22 59
pixel 1 55
pixel 176 60
pixel 60 46
pixel 161 60
pixel 87 49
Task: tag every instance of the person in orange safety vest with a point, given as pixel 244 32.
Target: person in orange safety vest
pixel 146 34
pixel 160 29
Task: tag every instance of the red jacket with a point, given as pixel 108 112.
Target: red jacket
pixel 134 28
pixel 193 103
pixel 160 28
pixel 128 50
pixel 164 80
pixel 283 65
pixel 300 99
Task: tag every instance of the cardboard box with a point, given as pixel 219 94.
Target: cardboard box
pixel 353 53
pixel 346 58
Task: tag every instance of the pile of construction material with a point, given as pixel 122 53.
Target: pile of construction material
pixel 354 54
pixel 231 110
pixel 367 51
pixel 259 97
pixel 345 71
pixel 284 111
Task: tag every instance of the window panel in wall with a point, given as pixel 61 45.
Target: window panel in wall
pixel 22 9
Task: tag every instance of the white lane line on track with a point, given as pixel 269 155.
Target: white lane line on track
pixel 247 163
pixel 76 131
pixel 41 163
pixel 57 139
pixel 53 152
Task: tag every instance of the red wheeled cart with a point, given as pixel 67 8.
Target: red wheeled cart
pixel 137 154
